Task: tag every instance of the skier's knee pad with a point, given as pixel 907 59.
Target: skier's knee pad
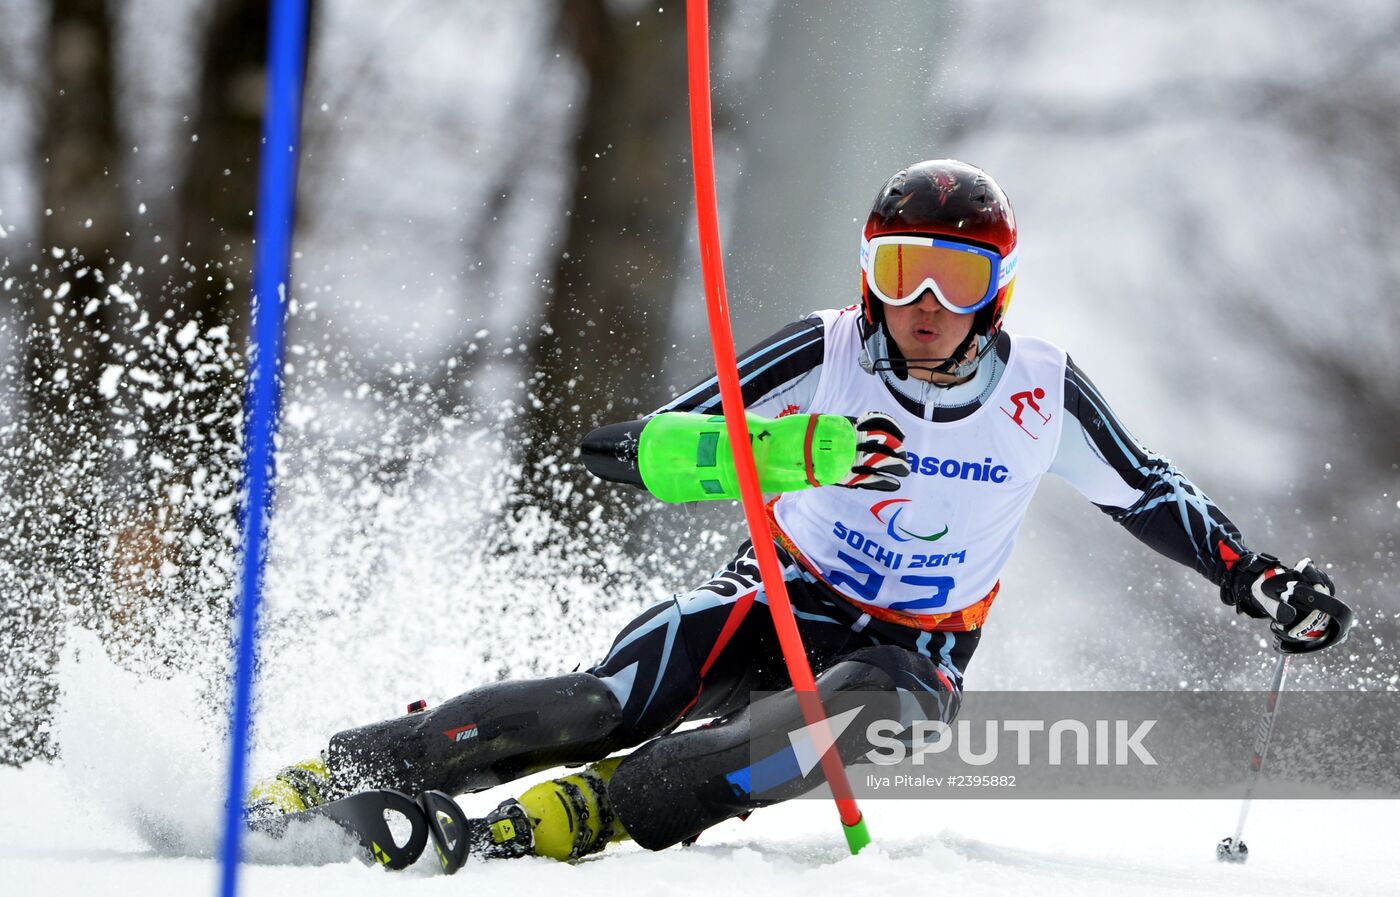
pixel 904 668
pixel 678 785
pixel 925 691
pixel 489 735
pixel 863 669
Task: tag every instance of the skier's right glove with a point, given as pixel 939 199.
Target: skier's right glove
pixel 880 460
pixel 1300 601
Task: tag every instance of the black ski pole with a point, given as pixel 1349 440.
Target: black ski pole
pixel 1233 850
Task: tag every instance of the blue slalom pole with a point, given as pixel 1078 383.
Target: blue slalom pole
pixel 277 178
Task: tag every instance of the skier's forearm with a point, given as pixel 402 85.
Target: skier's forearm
pixel 686 457
pixel 1138 488
pixel 1179 521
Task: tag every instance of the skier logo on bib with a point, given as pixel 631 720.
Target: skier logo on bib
pixel 1023 400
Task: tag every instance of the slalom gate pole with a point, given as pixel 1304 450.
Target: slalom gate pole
pixel 1233 849
pixel 727 370
pixel 271 278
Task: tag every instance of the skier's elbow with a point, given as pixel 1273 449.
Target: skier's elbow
pixel 610 452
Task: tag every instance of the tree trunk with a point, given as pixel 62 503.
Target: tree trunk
pixel 54 459
pixel 220 184
pixel 81 233
pixel 600 349
pixel 198 432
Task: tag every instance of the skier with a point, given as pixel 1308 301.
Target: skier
pixel 892 563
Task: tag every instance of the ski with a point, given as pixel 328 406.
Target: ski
pixel 449 828
pixel 364 815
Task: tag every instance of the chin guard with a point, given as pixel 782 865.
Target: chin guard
pixel 879 353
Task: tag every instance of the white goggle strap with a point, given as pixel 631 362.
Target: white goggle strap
pixel 1008 267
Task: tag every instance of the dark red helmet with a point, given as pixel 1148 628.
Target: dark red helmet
pixel 950 199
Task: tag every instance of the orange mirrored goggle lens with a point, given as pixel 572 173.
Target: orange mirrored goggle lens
pixel 898 270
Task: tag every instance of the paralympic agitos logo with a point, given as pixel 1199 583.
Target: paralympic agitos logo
pixel 888 511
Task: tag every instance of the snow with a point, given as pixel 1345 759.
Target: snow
pixel 53 841
pixel 76 827
pixel 138 757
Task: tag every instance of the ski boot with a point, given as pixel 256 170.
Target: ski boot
pixel 564 819
pixel 292 789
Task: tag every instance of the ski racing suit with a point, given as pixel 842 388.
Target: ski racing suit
pixel 890 589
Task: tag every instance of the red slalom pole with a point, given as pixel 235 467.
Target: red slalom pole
pixel 727 370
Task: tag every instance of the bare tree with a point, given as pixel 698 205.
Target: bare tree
pixel 54 469
pixel 81 230
pixel 197 430
pixel 219 187
pixel 598 352
pixel 120 474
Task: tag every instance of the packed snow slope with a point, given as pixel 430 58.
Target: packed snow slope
pixel 57 840
pixel 142 753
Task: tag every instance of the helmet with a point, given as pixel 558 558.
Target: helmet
pixel 952 200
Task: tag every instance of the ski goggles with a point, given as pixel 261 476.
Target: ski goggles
pixel 963 277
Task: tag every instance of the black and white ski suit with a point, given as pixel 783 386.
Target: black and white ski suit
pixel 699 654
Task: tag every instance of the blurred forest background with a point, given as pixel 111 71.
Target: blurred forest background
pixel 495 253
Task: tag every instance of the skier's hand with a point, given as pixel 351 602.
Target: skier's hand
pixel 880 460
pixel 1260 586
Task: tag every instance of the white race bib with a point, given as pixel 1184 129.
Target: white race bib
pixel 939 543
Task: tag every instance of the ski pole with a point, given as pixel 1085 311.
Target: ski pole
pixel 1338 618
pixel 1233 850
pixel 727 371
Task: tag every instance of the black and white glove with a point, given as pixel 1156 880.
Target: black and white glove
pixel 1299 601
pixel 880 460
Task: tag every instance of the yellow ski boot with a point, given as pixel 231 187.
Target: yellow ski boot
pixel 564 818
pixel 291 789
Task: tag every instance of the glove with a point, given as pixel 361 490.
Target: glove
pixel 880 460
pixel 1260 586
